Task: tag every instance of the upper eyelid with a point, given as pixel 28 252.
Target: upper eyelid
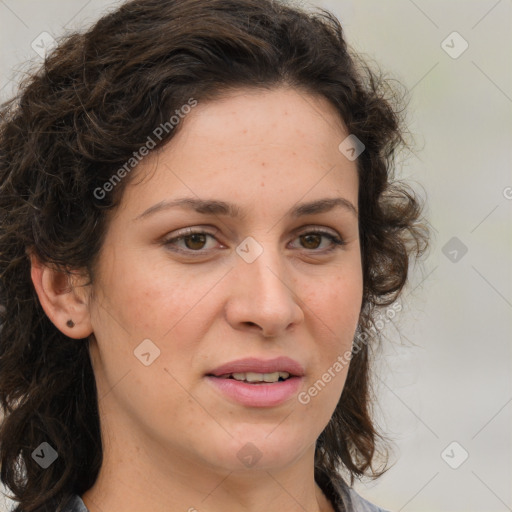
pixel 215 231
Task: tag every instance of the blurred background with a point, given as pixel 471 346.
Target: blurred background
pixel 444 373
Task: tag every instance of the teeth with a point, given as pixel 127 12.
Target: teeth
pixel 260 377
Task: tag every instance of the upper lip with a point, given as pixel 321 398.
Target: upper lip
pixel 253 364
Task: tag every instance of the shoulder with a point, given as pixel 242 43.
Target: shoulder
pixel 343 497
pixel 75 504
pixel 359 504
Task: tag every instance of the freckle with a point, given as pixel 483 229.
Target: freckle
pixel 263 164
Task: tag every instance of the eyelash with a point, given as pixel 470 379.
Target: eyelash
pixel 336 241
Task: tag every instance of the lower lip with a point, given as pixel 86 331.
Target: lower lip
pixel 257 395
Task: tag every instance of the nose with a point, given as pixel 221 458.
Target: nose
pixel 263 296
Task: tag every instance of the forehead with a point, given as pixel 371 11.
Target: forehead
pixel 279 143
pixel 282 115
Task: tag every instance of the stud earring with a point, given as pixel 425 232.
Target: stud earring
pixel 70 323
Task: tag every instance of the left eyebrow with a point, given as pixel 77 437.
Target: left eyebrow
pixel 215 207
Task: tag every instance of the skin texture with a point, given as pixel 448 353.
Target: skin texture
pixel 169 438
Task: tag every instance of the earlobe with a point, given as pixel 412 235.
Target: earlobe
pixel 63 304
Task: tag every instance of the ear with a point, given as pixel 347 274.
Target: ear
pixel 62 298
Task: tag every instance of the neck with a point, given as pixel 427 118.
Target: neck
pixel 134 479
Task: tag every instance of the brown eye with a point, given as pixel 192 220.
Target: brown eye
pixel 311 241
pixel 195 241
pixel 190 242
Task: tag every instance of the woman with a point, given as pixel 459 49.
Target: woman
pixel 199 227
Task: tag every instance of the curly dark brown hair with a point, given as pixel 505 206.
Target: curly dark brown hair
pixel 82 115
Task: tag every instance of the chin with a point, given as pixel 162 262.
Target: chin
pixel 257 448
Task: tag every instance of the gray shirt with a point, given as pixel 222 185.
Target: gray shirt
pixel 342 497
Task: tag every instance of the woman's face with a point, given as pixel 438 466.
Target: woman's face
pixel 168 311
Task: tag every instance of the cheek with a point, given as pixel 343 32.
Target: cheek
pixel 336 316
pixel 148 299
pixel 337 303
pixel 336 307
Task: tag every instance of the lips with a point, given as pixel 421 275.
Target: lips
pixel 261 394
pixel 255 365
